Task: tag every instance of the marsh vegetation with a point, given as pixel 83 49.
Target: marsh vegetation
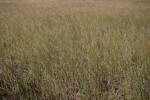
pixel 75 50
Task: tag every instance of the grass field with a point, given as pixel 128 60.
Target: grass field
pixel 75 49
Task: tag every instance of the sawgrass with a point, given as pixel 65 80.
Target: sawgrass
pixel 75 49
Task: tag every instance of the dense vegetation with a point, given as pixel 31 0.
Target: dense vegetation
pixel 75 49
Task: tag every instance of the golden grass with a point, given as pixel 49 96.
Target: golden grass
pixel 75 49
